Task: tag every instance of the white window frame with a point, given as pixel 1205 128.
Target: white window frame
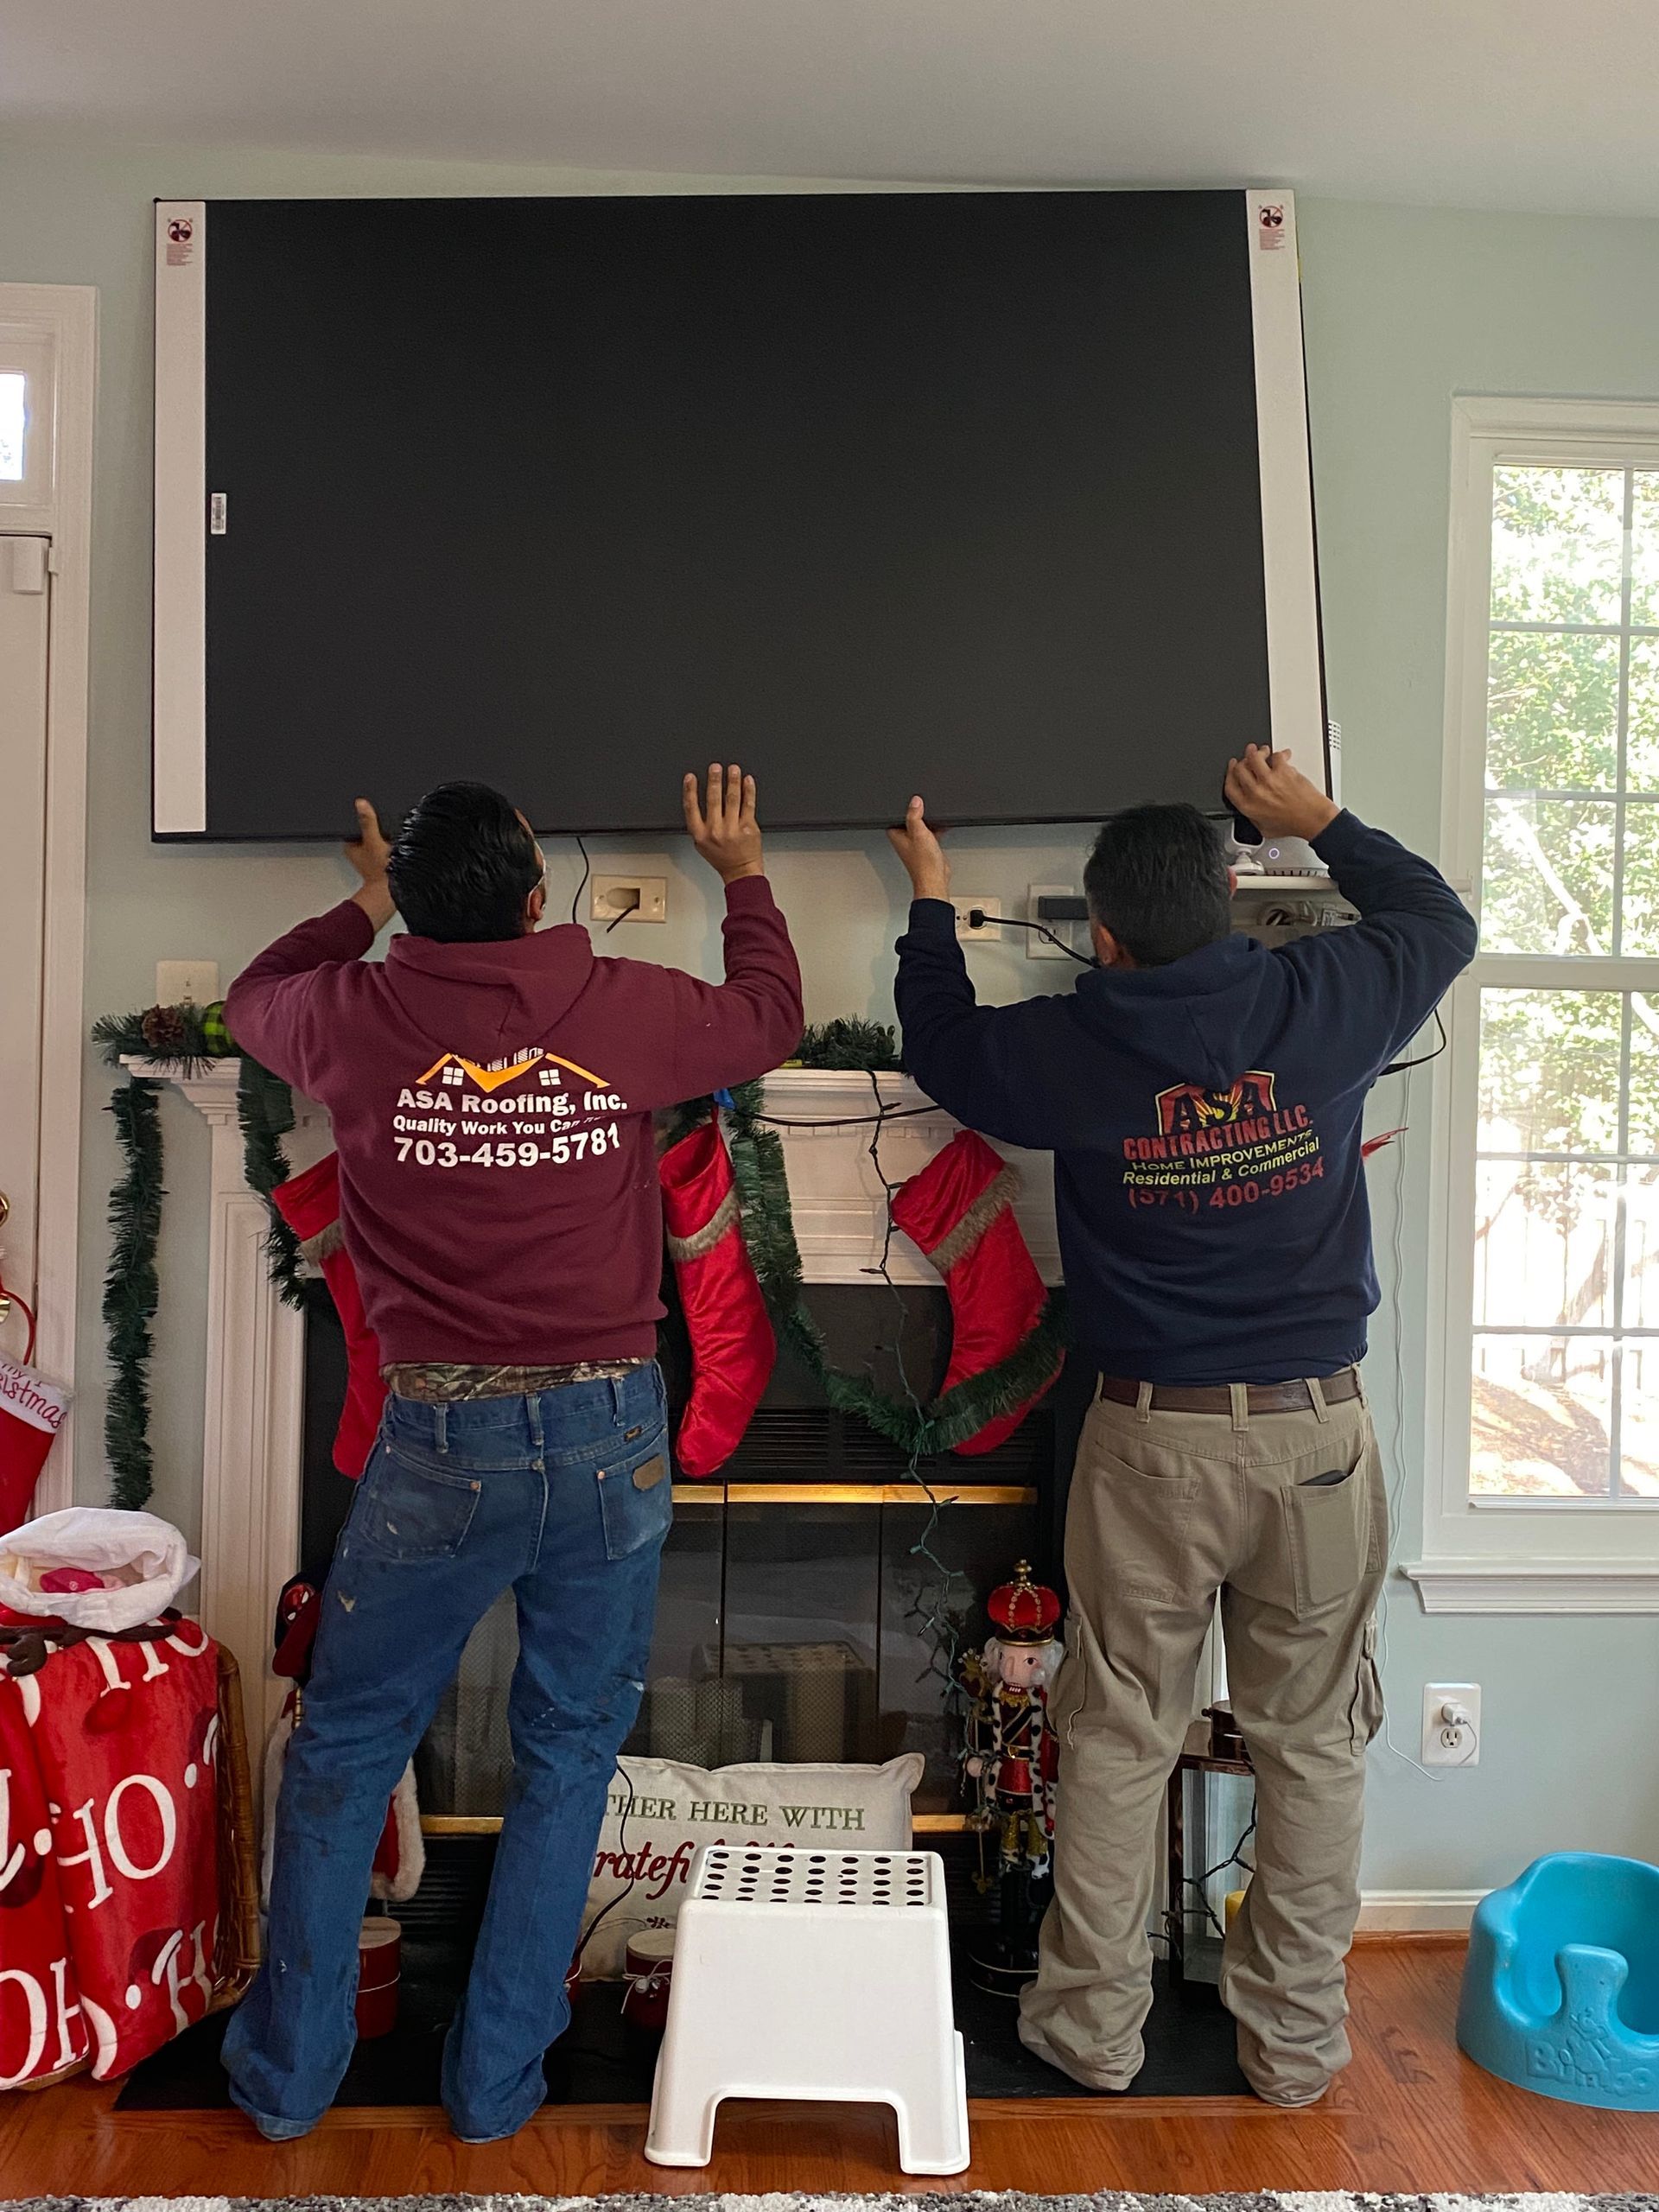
pixel 50 332
pixel 1506 1555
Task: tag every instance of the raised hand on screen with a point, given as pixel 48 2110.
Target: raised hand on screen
pixel 368 853
pixel 1273 792
pixel 723 828
pixel 918 847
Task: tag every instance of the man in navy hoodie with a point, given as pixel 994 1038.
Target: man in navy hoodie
pixel 1203 1098
pixel 491 1085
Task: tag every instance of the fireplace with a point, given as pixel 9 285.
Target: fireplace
pixel 795 1601
pixel 810 1595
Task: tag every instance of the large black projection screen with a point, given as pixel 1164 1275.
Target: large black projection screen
pixel 1002 497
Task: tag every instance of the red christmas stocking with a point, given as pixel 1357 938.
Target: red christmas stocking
pixel 733 1346
pixel 31 1413
pixel 309 1204
pixel 959 1209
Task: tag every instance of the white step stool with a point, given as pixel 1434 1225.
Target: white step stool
pixel 820 1974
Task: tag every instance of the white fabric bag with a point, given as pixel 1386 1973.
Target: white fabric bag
pixel 142 1560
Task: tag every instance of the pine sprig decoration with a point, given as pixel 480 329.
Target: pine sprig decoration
pixel 184 1033
pixel 131 1290
pixel 850 1042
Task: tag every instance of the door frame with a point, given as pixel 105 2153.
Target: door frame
pixel 64 317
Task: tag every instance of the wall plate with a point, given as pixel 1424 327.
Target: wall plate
pixel 1039 948
pixel 181 982
pixel 628 898
pixel 968 904
pixel 1444 1743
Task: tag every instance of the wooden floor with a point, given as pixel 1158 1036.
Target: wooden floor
pixel 1411 2113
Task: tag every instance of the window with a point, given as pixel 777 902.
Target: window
pixel 1549 1141
pixel 12 420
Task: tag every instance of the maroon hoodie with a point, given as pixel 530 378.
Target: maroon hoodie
pixel 492 1108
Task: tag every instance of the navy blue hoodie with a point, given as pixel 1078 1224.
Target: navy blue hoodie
pixel 1205 1117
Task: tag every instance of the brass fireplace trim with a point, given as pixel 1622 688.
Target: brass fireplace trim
pixel 915 1494
pixel 489 1823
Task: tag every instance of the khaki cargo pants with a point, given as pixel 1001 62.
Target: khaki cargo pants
pixel 1166 1510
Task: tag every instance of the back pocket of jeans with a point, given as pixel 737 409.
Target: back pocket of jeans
pixel 1141 1521
pixel 410 1511
pixel 1329 1533
pixel 636 1496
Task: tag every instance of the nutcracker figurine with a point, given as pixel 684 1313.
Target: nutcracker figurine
pixel 1008 1763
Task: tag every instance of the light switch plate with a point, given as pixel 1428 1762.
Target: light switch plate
pixel 181 982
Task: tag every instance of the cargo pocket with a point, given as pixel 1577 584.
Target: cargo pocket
pixel 636 1496
pixel 1328 1529
pixel 1069 1691
pixel 1367 1712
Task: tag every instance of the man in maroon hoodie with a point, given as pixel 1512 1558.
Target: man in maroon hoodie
pixel 491 1087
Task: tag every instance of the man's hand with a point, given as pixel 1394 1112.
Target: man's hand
pixel 368 853
pixel 922 854
pixel 725 831
pixel 1277 796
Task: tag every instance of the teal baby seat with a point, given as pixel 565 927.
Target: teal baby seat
pixel 1560 1987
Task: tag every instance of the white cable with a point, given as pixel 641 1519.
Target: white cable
pixel 1397 1486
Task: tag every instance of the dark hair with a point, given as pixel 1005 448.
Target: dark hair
pixel 463 866
pixel 1158 881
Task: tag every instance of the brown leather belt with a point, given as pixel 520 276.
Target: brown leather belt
pixel 1217 1398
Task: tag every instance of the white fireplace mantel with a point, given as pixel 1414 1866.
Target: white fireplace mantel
pixel 252 1427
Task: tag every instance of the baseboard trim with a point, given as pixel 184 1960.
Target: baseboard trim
pixel 1417 1913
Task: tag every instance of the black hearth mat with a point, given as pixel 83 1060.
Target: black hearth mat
pixel 601 2061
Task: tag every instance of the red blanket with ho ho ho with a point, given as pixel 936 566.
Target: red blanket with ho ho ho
pixel 109 1853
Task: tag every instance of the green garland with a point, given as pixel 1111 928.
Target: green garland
pixel 850 1042
pixel 769 1232
pixel 265 1109
pixel 194 1036
pixel 131 1290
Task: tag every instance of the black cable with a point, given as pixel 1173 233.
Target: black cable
pixel 977 919
pixel 623 916
pixel 850 1121
pixel 587 870
pixel 1399 1067
pixel 930 1610
pixel 1175 1910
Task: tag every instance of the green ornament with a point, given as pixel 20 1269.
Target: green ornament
pixel 215 1037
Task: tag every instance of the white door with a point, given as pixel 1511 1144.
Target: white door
pixel 25 602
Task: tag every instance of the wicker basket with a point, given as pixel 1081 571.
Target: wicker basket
pixel 237 1960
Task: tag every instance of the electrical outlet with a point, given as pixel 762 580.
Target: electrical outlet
pixel 181 981
pixel 1039 948
pixel 991 908
pixel 628 898
pixel 1451 1741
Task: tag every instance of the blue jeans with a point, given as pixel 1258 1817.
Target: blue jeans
pixel 564 1499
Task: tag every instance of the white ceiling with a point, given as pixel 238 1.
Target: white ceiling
pixel 1541 105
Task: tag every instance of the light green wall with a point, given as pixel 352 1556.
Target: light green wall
pixel 1404 308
